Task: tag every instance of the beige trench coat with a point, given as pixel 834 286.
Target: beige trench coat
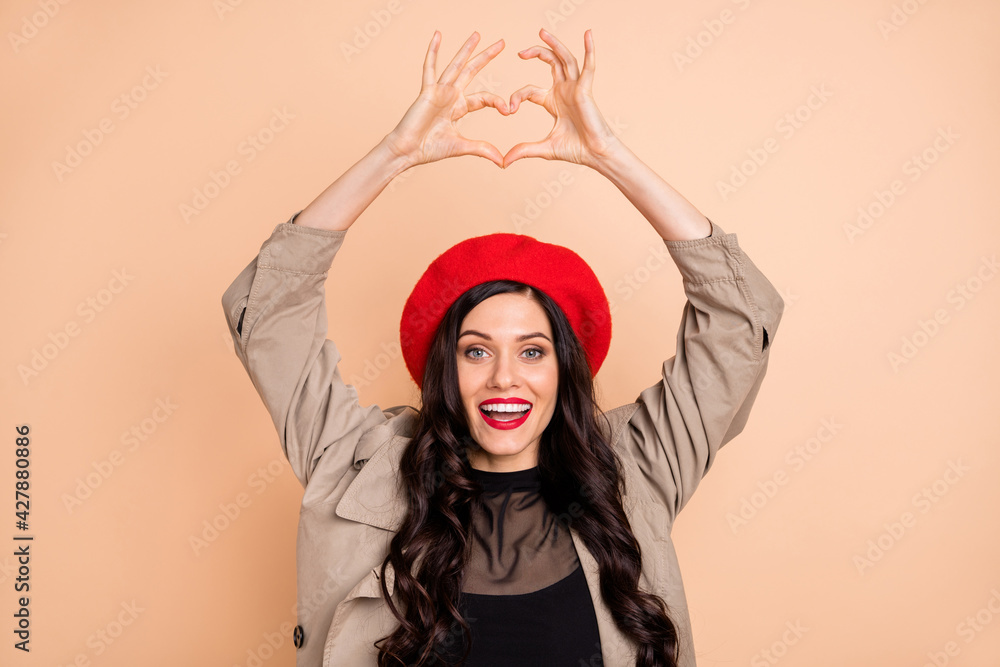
pixel 346 455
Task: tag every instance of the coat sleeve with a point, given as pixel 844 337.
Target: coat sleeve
pixel 707 389
pixel 276 311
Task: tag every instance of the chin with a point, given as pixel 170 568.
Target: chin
pixel 502 450
pixel 500 447
pixel 494 448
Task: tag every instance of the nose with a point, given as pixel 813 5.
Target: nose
pixel 505 372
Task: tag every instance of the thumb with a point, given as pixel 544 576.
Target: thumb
pixel 483 149
pixel 526 149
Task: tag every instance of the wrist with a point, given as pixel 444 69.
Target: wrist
pixel 395 160
pixel 615 161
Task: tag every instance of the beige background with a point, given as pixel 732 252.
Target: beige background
pixel 876 432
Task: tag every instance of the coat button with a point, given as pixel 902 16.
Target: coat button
pixel 297 636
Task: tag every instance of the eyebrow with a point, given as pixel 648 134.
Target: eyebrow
pixel 473 332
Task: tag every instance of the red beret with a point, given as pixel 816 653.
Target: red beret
pixel 557 271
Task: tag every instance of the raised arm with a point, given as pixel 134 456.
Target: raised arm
pixel 276 307
pixel 708 388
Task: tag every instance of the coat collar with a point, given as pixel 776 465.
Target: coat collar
pixel 376 497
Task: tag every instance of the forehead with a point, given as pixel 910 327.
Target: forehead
pixel 508 312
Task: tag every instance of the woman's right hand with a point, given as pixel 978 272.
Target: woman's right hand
pixel 427 131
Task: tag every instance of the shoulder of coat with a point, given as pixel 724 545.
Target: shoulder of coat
pixel 613 422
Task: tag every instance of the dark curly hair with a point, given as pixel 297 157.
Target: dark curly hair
pixel 576 464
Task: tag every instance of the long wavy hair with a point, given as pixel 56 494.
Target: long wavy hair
pixel 576 464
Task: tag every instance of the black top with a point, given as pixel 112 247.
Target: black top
pixel 525 596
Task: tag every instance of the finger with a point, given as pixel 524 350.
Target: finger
pixel 558 74
pixel 431 58
pixel 565 55
pixel 526 149
pixel 477 101
pixel 458 62
pixel 531 93
pixel 589 61
pixel 478 63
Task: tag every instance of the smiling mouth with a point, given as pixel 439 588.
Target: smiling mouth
pixel 506 417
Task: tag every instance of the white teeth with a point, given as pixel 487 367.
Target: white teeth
pixel 505 407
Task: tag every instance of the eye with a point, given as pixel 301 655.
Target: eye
pixel 538 353
pixel 469 352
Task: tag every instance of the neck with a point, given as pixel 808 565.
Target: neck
pixel 528 479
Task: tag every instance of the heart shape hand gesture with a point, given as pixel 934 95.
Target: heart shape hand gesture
pixel 428 132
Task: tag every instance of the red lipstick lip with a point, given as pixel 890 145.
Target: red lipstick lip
pixel 506 425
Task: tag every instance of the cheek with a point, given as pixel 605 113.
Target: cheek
pixel 547 383
pixel 468 383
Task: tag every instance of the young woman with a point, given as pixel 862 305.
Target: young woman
pixel 508 521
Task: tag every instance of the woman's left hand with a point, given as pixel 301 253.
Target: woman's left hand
pixel 580 133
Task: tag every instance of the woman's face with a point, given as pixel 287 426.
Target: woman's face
pixel 505 351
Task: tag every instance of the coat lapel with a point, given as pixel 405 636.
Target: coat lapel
pixel 375 497
pixel 616 649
